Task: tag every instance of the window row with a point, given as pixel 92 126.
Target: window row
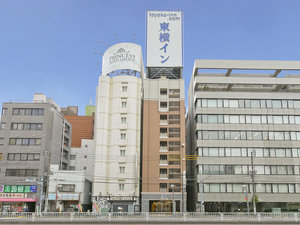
pixel 23 156
pixel 26 126
pixel 246 152
pixel 33 112
pixel 22 172
pixel 173 146
pixel 25 141
pixel 260 188
pixel 244 169
pixel 163 187
pixel 173 118
pixel 247 103
pixel 250 119
pixel 66 187
pixel 248 135
pixel 173 173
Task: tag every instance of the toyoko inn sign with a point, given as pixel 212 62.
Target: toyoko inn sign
pixel 164 39
pixel 122 56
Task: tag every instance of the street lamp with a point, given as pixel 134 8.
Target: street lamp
pixel 245 189
pixel 183 178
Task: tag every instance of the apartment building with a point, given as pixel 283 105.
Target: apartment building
pixel 244 113
pixel 118 130
pixel 163 163
pixel 33 135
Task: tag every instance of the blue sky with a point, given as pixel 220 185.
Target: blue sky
pixel 49 46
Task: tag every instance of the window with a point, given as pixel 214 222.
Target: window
pixel 71 167
pixel 163 187
pixel 121 187
pixel 124 104
pixel 1 156
pixel 163 91
pixel 66 187
pixel 174 159
pixel 122 152
pixel 123 120
pixel 123 136
pixel 72 157
pixel 1 141
pixel 163 173
pixel 20 111
pixel 4 111
pixel 122 169
pixel 124 88
pixel 174 173
pixel 21 172
pixel 163 105
pixel 2 126
pixel 26 126
pixel 163 159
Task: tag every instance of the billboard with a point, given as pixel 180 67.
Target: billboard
pixel 123 56
pixel 164 39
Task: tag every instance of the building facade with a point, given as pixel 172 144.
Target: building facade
pixel 32 136
pixel 244 118
pixel 163 154
pixel 118 130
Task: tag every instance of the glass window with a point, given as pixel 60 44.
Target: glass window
pixel 296 104
pixel 222 188
pixel 288 152
pixel 279 136
pixel 213 135
pixel 263 119
pixel 220 103
pixel 23 157
pixel 277 119
pixel 271 135
pixel 290 170
pixel 212 103
pixel 280 152
pixel 243 135
pixel 263 103
pixel 270 119
pixel 272 152
pixel 17 156
pixel 19 141
pixel 244 152
pixel 221 152
pixel 266 152
pixel 293 136
pixel 281 170
pixel 259 152
pixel 287 135
pixel 220 119
pixel 247 103
pixel 226 104
pixel 275 188
pixel 213 152
pixel 241 103
pixel 226 118
pixel 256 119
pixel 228 152
pixel 291 104
pixel 268 188
pixel 291 188
pixel 214 188
pixel 265 135
pixel 199 134
pixel 249 135
pixel 234 119
pixel 235 135
pixel 204 118
pixel 267 170
pixel 206 187
pixel 284 104
pixel 255 104
pixel 237 188
pixel 269 103
pixel 221 135
pixel 205 152
pixel 273 170
pixel 297 119
pixel 229 187
pixel 229 169
pixel 292 119
pixel 285 119
pixel 238 169
pixel 212 119
pixel 260 188
pixel 242 119
pixel 248 119
pixel 283 188
pixel 235 151
pixel 276 104
pixel 260 169
pixel 233 103
pixel 204 103
pixel 257 135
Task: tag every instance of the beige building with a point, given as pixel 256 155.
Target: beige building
pixel 163 164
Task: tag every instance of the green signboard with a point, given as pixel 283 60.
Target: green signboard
pixel 7 188
pixel 27 188
pixel 20 188
pixel 14 189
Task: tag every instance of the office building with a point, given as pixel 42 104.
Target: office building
pixel 33 135
pixel 118 130
pixel 238 111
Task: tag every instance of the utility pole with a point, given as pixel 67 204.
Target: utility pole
pixel 252 174
pixel 173 199
pixel 245 189
pixel 183 179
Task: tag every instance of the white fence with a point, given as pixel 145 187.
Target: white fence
pixel 150 217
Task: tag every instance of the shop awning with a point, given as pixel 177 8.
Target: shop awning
pixel 17 200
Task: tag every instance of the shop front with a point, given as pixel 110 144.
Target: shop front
pixel 63 202
pixel 18 198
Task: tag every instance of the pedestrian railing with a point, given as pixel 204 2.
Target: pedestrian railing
pixel 69 217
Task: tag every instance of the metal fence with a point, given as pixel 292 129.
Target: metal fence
pixel 149 217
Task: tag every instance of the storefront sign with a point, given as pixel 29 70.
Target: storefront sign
pixel 18 188
pixel 121 198
pixel 13 195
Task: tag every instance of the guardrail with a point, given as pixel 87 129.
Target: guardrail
pixel 69 217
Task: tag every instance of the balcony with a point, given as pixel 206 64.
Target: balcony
pixel 163 162
pixel 163 176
